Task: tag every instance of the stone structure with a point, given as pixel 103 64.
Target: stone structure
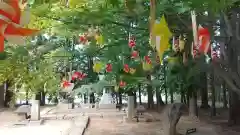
pixel 35 110
pixel 106 97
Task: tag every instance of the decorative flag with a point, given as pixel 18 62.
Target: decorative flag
pixel 195 51
pixel 203 42
pixel 99 40
pixel 122 84
pixel 83 39
pixel 204 39
pixel 66 84
pixel 147 59
pixel 97 67
pixel 78 75
pixel 126 68
pixel 132 71
pixel 181 43
pixel 162 34
pixel 134 54
pixel 131 43
pixel 12 22
pixel 109 67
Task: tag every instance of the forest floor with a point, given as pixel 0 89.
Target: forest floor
pixel 204 125
pixel 151 123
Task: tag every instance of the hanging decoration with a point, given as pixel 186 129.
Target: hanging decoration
pixel 161 34
pixel 122 84
pixel 132 71
pixel 147 59
pixel 181 43
pixel 109 67
pixel 99 40
pixel 97 67
pixel 132 42
pixel 66 84
pixel 203 42
pixel 194 51
pixel 204 39
pixel 78 75
pixel 83 39
pixel 134 54
pixel 126 68
pixel 12 22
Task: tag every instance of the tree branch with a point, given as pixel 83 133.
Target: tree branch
pixel 112 22
pixel 228 77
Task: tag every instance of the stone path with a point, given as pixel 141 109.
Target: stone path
pixel 66 124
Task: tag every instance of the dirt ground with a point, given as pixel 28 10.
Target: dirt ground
pixel 117 126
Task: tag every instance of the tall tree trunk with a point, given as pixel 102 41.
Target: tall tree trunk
pixel 193 104
pixel 225 102
pixel 43 98
pixel 135 99
pixel 8 94
pixel 84 98
pixel 150 94
pixel 204 92
pixel 212 87
pixel 233 59
pixel 183 98
pixel 1 96
pixel 120 97
pixel 234 109
pixel 159 97
pixel 171 95
pixel 139 94
pixel 166 95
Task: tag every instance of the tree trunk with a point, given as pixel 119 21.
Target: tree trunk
pixel 174 114
pixel 234 109
pixel 166 95
pixel 188 98
pixel 150 94
pixel 84 98
pixel 38 96
pixel 135 99
pixel 193 104
pixel 159 98
pixel 139 94
pixel 225 102
pixel 183 98
pixel 233 59
pixel 8 94
pixel 213 107
pixel 204 92
pixel 1 96
pixel 43 98
pixel 171 95
pixel 120 98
